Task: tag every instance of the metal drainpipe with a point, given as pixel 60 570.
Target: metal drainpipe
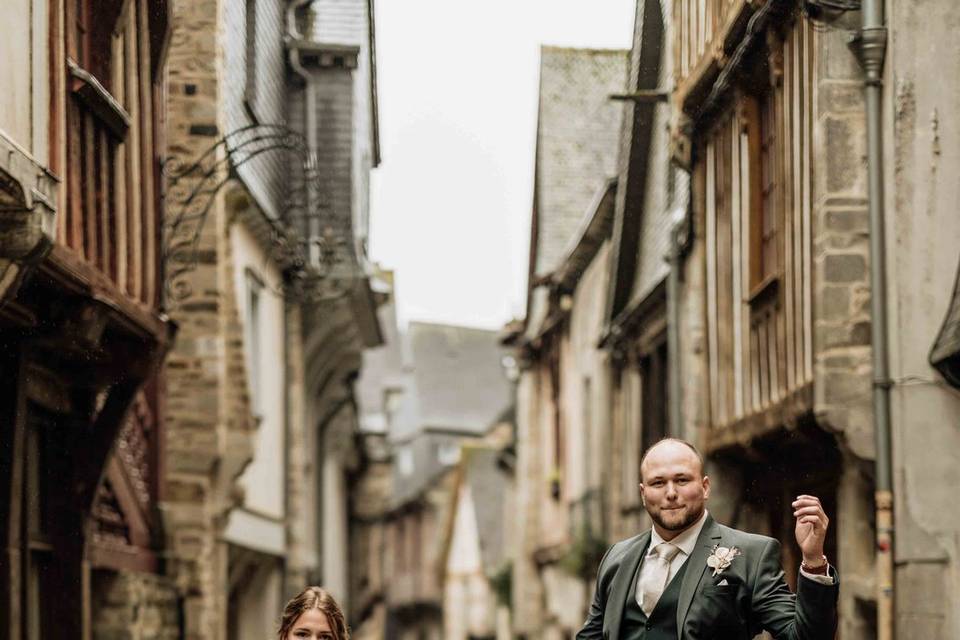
pixel 310 111
pixel 873 43
pixel 293 35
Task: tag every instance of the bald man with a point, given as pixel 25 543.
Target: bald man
pixel 690 578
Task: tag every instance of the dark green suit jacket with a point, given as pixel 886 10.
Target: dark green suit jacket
pixel 754 598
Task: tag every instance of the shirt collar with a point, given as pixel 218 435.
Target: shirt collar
pixel 686 541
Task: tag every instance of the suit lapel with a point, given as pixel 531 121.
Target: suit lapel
pixel 696 567
pixel 622 582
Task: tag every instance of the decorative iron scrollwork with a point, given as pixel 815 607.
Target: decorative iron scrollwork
pixel 303 240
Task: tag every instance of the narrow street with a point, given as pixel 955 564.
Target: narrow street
pixel 528 320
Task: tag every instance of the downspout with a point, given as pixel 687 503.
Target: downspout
pixel 872 50
pixel 293 37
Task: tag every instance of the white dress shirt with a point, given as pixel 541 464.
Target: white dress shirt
pixel 686 541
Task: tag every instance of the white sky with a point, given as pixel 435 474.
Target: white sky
pixel 451 201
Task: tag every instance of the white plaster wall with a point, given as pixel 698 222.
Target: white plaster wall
pixel 566 598
pixel 527 593
pixel 334 518
pixel 922 138
pixel 24 75
pixel 585 418
pixel 258 608
pixel 263 479
pixel 468 602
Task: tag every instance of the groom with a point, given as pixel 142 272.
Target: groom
pixel 691 578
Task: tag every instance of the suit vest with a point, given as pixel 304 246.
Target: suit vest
pixel 662 623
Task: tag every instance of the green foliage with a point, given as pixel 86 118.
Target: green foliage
pixel 583 557
pixel 502 584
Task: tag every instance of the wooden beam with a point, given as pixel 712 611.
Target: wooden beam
pixel 11 479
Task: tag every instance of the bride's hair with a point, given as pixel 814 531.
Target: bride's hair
pixel 314 598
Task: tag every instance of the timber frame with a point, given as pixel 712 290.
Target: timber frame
pixel 81 330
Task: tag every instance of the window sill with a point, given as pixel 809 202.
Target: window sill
pixel 100 101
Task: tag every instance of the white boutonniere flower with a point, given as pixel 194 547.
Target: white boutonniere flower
pixel 721 558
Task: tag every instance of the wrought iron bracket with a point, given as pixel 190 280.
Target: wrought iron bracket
pixel 191 190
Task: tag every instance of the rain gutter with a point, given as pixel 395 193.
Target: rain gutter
pixel 871 48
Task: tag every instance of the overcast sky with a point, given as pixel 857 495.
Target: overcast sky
pixel 458 104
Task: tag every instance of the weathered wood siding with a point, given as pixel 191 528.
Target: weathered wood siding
pixel 760 337
pixel 696 25
pixel 111 218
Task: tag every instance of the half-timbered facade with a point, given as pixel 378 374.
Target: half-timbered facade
pixel 767 116
pixel 81 328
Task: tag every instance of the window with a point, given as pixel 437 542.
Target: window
pixel 655 402
pixel 405 460
pixel 632 446
pixel 392 399
pixel 90 40
pixel 557 473
pixel 448 453
pixel 586 401
pixel 250 87
pixel 759 113
pixel 39 486
pixel 252 328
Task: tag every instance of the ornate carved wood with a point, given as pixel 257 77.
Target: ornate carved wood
pixel 122 523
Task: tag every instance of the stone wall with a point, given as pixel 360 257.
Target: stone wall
pixel 922 140
pixel 208 425
pixel 134 606
pixel 841 288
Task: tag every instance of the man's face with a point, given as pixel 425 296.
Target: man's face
pixel 673 488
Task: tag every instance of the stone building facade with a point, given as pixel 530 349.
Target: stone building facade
pixel 563 402
pixel 736 282
pixel 267 178
pixel 423 395
pixel 921 144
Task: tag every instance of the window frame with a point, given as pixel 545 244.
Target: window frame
pixel 253 334
pixel 758 115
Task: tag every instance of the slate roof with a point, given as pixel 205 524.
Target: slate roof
pixel 458 376
pixel 383 368
pixel 578 132
pixel 488 485
pixel 450 386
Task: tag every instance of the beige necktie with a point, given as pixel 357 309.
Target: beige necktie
pixel 653 579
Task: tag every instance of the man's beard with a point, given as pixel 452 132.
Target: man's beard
pixel 690 518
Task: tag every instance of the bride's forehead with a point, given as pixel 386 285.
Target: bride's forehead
pixel 313 618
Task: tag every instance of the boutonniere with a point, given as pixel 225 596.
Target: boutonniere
pixel 721 557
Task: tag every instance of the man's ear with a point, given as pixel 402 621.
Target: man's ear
pixel 706 487
pixel 643 500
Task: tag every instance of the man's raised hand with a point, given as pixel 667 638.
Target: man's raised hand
pixel 811 529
